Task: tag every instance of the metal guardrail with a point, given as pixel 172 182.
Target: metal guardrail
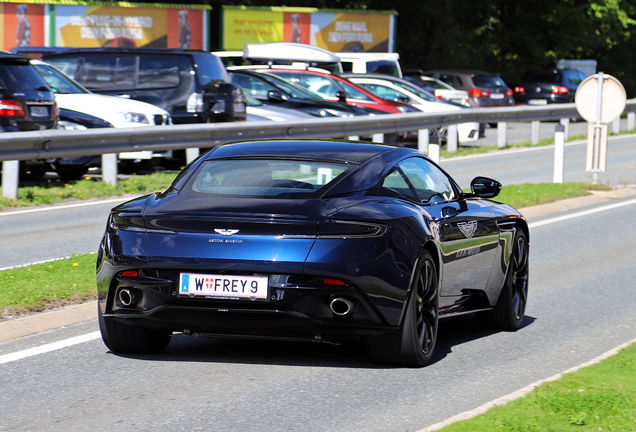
pixel 48 144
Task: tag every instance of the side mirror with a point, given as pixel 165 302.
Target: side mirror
pixel 404 99
pixel 275 96
pixel 484 187
pixel 342 96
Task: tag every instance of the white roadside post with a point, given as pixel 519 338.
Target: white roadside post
pixel 433 152
pixel 354 138
pixel 10 179
pixel 451 138
pixel 109 168
pixel 535 132
pixel 377 138
pixel 630 121
pixel 501 134
pixel 559 152
pixel 422 140
pixel 191 154
pixel 566 124
pixel 616 126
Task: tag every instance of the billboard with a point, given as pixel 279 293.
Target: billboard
pixel 83 24
pixel 336 31
pixel 22 24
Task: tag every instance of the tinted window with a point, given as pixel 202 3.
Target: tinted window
pixel 108 72
pixel 264 178
pixel 210 70
pixel 383 67
pixel 19 77
pixel 158 71
pixel 431 184
pixel 543 78
pixel 395 183
pixel 488 81
pixel 252 86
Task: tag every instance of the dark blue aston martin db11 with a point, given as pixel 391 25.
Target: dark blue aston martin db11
pixel 311 240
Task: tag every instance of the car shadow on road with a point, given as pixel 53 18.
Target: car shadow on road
pixel 351 354
pixel 466 328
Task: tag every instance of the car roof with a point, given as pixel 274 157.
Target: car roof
pixel 352 152
pixel 461 71
pixel 128 51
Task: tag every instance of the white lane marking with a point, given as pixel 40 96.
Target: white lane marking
pixel 582 213
pixel 49 347
pixel 522 392
pixel 66 206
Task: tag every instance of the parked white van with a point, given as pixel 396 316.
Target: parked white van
pixel 371 62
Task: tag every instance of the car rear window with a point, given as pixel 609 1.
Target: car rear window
pixel 157 71
pixel 543 78
pixel 488 81
pixel 264 177
pixel 19 76
pixel 383 67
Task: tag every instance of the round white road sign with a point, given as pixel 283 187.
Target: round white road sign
pixel 613 98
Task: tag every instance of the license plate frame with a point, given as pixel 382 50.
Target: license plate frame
pixel 39 111
pixel 224 287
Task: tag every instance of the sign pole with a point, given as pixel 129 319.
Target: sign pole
pixel 598 130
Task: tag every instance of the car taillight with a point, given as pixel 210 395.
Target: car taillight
pixel 195 103
pixel 509 93
pixel 56 110
pixel 478 93
pixel 11 108
pixel 520 90
pixel 560 90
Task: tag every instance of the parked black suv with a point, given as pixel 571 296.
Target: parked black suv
pixel 26 101
pixel 192 85
pixel 26 104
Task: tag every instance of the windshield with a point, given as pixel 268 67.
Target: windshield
pixel 264 177
pixel 291 90
pixel 59 82
pixel 413 89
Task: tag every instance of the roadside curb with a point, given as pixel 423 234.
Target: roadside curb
pixel 28 325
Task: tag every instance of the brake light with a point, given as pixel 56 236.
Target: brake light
pixel 327 281
pixel 509 93
pixel 11 108
pixel 520 90
pixel 56 110
pixel 478 93
pixel 560 90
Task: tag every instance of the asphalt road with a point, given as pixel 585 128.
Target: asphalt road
pixel 581 305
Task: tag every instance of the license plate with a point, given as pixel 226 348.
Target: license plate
pixel 226 287
pixel 39 112
pixel 239 108
pixel 537 102
pixel 496 96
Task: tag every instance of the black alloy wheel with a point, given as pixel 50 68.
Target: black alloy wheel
pixel 511 307
pixel 413 345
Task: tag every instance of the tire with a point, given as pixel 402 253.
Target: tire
pixel 133 166
pixel 131 339
pixel 67 172
pixel 414 343
pixel 510 309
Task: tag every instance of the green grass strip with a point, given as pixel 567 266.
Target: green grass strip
pixel 601 397
pixel 57 191
pixel 47 285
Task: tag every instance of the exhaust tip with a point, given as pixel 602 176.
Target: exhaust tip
pixel 341 306
pixel 127 297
